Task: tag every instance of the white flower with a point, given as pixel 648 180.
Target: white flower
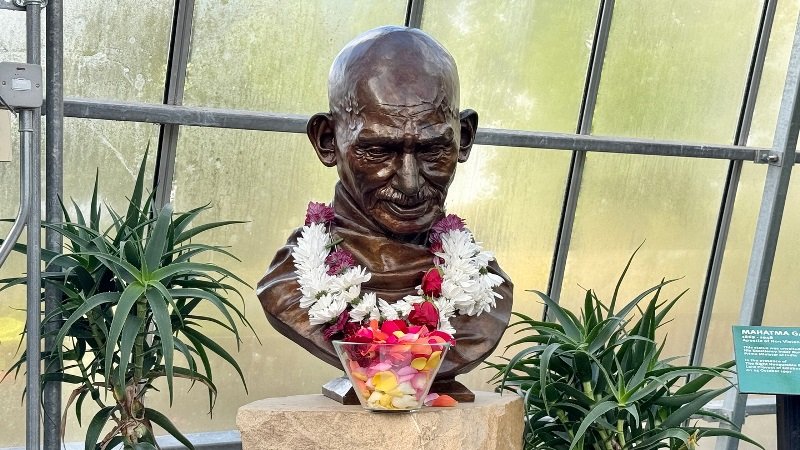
pixel 364 308
pixel 387 311
pixel 311 249
pixel 326 309
pixel 444 325
pixel 467 285
pixel 312 283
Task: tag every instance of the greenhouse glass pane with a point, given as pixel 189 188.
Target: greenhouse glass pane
pixel 116 50
pixel 676 69
pixel 670 205
pixel 522 63
pixel 267 179
pixel 511 199
pixel 781 306
pixel 12 36
pixel 116 149
pixel 673 70
pixel 274 55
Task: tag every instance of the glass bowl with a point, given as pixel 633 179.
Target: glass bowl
pixel 391 377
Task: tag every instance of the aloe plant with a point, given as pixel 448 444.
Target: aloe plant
pixel 597 380
pixel 132 295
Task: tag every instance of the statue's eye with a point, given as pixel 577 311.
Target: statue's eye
pixel 374 152
pixel 434 152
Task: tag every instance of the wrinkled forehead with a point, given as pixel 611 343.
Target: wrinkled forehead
pixel 408 94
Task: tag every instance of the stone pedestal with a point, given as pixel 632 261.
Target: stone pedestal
pixel 302 422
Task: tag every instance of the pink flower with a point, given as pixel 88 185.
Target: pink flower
pixel 339 260
pixel 318 213
pixel 449 223
pixel 424 314
pixel 432 283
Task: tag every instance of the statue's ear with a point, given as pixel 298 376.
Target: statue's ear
pixel 469 125
pixel 322 133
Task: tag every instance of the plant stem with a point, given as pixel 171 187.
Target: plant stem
pixel 563 418
pixel 138 348
pixel 589 391
pixel 621 432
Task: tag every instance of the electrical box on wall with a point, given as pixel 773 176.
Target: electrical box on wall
pixel 20 85
pixel 5 136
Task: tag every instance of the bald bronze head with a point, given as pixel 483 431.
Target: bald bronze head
pixel 394 130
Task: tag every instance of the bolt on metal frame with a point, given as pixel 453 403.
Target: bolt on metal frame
pixel 171 115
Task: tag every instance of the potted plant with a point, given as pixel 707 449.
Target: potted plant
pixel 131 311
pixel 598 380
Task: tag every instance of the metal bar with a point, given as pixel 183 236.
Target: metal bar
pixel 769 219
pixel 295 123
pixel 32 122
pixel 173 95
pixel 414 13
pixel 706 307
pixel 54 187
pixel 184 115
pixel 22 212
pixel 578 161
pixel 215 440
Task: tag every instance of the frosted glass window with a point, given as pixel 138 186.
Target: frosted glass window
pixel 781 307
pixel 274 55
pixel 668 203
pixel 676 69
pixel 511 199
pixel 673 70
pixel 266 179
pixel 116 50
pixel 522 63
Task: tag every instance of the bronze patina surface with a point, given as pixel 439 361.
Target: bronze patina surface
pixel 395 135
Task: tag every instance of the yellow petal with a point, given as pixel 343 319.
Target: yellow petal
pixel 419 363
pixel 384 381
pixel 433 361
pixel 386 401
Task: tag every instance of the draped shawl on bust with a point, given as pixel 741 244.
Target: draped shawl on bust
pixel 397 268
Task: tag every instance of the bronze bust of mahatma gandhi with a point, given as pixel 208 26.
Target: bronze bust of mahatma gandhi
pixel 395 135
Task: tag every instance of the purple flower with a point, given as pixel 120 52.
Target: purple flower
pixel 449 223
pixel 318 213
pixel 339 260
pixel 338 326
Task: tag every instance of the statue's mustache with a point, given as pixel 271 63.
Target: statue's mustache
pixel 391 194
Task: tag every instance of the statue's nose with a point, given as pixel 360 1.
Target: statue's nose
pixel 407 178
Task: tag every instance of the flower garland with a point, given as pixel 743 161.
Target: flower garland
pixel 330 280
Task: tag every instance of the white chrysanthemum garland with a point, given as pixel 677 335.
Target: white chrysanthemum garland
pixel 330 281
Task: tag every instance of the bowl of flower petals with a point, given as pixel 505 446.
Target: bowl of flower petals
pixel 393 366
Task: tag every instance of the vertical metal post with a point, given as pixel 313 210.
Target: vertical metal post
pixel 769 220
pixel 173 95
pixel 54 187
pixel 706 307
pixel 788 413
pixel 570 205
pixel 30 128
pixel 414 13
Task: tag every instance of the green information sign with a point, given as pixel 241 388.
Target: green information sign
pixel 767 359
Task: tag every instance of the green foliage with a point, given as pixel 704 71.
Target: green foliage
pixel 598 381
pixel 132 299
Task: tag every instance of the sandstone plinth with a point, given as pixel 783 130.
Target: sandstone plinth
pixel 303 422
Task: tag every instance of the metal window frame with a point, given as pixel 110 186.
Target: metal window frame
pixel 177 63
pixel 720 238
pixel 171 115
pixel 578 160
